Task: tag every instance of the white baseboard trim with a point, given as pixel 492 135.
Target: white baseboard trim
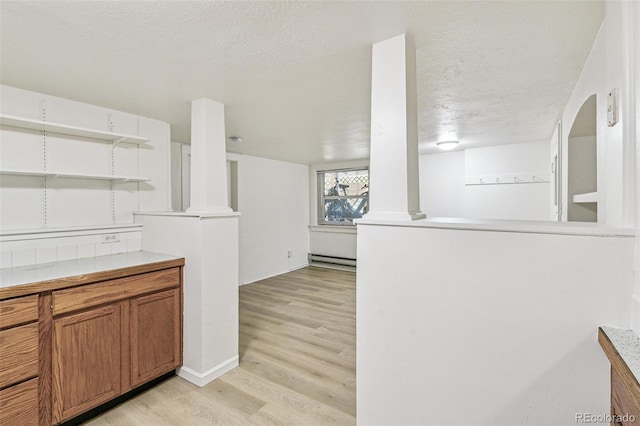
pixel 202 379
pixel 295 268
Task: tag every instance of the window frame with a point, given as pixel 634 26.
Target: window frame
pixel 321 197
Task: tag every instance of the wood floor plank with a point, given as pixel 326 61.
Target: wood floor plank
pixel 297 362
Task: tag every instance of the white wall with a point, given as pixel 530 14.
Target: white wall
pixel 503 324
pixel 176 176
pixel 443 192
pixel 582 177
pixel 613 63
pixel 606 68
pixel 273 199
pixel 68 217
pixel 634 46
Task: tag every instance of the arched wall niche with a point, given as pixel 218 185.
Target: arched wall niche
pixel 582 173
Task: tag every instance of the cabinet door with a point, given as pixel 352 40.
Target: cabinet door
pixel 86 360
pixel 156 335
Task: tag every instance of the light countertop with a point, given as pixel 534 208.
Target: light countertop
pixel 627 343
pixel 77 270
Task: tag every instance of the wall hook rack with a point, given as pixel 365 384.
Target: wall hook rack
pixel 507 179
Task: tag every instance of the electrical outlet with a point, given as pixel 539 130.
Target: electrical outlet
pixel 289 254
pixel 110 238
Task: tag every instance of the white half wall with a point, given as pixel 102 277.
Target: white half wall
pixel 443 192
pixel 635 47
pixel 209 244
pixel 273 199
pixel 503 324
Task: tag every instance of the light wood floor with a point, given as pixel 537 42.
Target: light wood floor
pixel 297 362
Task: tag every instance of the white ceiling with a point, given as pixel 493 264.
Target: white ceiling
pixel 295 76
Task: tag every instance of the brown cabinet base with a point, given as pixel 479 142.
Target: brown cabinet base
pixel 624 410
pixel 76 344
pixel 104 350
pixel 19 404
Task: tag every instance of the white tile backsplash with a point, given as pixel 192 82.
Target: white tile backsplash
pixel 119 247
pixel 103 249
pixel 45 248
pixel 46 254
pixel 6 259
pixel 67 252
pixel 134 244
pixel 86 250
pixel 24 257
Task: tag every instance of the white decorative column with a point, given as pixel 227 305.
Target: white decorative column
pixel 207 237
pixel 208 157
pixel 395 193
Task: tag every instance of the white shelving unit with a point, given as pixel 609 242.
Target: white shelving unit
pixel 65 129
pixel 74 134
pixel 589 197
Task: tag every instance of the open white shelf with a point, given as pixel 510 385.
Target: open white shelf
pixel 65 129
pixel 53 174
pixel 589 197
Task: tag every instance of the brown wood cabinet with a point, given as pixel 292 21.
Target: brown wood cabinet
pixel 625 410
pixel 108 349
pixel 625 385
pixel 19 404
pixel 73 347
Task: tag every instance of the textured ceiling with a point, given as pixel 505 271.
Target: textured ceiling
pixel 295 76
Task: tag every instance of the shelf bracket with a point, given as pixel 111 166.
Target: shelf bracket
pixel 117 141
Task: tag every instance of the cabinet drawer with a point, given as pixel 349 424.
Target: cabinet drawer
pixel 109 291
pixel 18 354
pixel 19 404
pixel 18 311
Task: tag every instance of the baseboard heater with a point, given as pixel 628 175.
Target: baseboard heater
pixel 330 260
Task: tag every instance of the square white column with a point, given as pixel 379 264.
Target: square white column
pixel 208 157
pixel 393 173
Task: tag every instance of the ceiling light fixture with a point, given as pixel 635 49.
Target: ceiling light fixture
pixel 447 145
pixel 235 138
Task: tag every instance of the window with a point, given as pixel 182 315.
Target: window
pixel 343 195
